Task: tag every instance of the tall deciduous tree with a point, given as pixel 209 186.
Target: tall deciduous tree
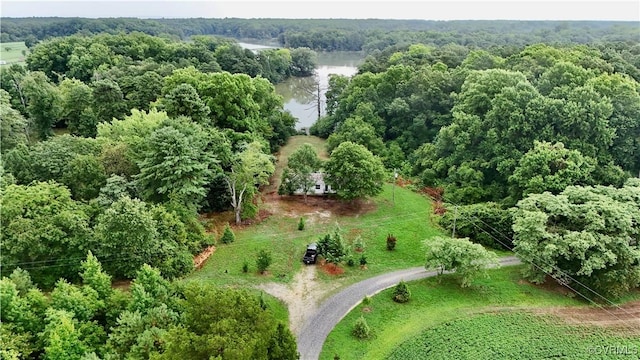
pixel 460 256
pixel 301 164
pixel 179 162
pixel 550 167
pixel 184 100
pixel 354 172
pixel 227 324
pixel 76 107
pixel 108 100
pixel 13 126
pixel 43 100
pixel 127 232
pixel 41 224
pixel 303 61
pixel 585 236
pixel 357 131
pixel 251 167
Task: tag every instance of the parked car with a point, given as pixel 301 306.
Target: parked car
pixel 311 254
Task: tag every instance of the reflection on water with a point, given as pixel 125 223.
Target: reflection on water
pixel 301 94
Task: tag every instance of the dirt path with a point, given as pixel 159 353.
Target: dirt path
pixel 625 318
pixel 301 295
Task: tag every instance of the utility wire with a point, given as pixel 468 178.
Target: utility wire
pixel 564 283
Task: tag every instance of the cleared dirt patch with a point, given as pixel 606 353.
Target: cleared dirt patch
pixel 321 207
pixel 302 295
pixel 332 269
pixel 200 259
pixel 625 318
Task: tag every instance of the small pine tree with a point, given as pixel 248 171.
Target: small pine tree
pixel 401 293
pixel 361 329
pixel 363 260
pixel 263 260
pixel 301 224
pixel 358 244
pixel 245 267
pixel 351 261
pixel 366 300
pixel 391 242
pixel 227 236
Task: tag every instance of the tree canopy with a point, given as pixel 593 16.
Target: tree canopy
pixel 584 236
pixel 354 172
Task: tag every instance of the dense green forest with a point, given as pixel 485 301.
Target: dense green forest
pixel 337 34
pixel 144 123
pixel 551 130
pixel 154 319
pixel 111 146
pixel 114 140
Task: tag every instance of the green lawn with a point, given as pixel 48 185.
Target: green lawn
pixel 409 219
pixel 11 52
pixel 435 304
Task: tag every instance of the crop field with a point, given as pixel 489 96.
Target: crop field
pixel 12 52
pixel 511 335
pixel 499 310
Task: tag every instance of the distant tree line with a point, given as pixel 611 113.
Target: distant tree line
pixel 337 34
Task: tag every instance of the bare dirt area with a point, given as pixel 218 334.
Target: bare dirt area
pixel 302 295
pixel 319 209
pixel 625 318
pixel 200 259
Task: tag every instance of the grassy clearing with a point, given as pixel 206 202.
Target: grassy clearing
pixel 409 219
pixel 434 302
pixel 11 52
pixel 513 335
pixel 292 145
pixel 409 222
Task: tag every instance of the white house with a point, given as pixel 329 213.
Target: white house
pixel 320 188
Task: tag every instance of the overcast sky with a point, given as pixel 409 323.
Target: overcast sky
pixel 426 9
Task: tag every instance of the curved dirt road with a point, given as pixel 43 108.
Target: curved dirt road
pixel 317 326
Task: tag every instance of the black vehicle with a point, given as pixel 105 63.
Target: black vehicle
pixel 311 254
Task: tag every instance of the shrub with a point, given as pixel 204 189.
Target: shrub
pixel 301 224
pixel 351 261
pixel 358 244
pixel 227 236
pixel 363 260
pixel 263 260
pixel 332 247
pixel 391 242
pixel 245 267
pixel 401 293
pixel 361 329
pixel 482 223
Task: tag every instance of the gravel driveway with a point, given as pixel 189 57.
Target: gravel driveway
pixel 317 326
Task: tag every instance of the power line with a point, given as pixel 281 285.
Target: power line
pixel 549 273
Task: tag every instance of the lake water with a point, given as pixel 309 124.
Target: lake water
pixel 300 94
